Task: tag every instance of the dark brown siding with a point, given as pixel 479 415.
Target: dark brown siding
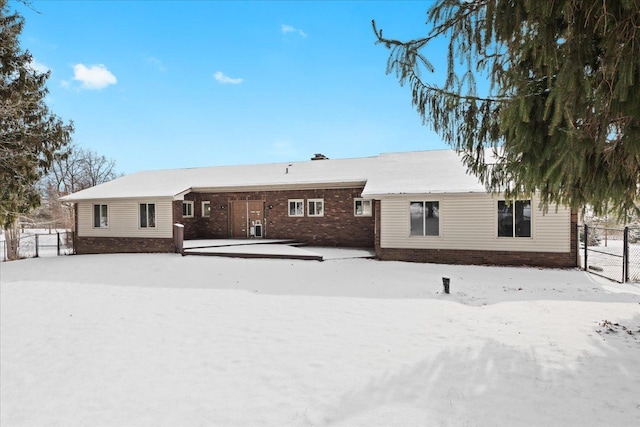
pixel 338 227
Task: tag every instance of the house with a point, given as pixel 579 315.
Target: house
pixel 417 206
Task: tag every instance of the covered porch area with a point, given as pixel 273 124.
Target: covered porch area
pixel 270 248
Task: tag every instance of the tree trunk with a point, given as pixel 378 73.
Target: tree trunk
pixel 12 240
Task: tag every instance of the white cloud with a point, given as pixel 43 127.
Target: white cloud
pixel 286 29
pixel 39 67
pixel 94 76
pixel 157 63
pixel 220 77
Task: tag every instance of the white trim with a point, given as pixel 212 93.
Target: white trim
pixel 203 204
pixel 190 208
pixel 364 211
pixel 424 218
pixel 315 207
pixel 93 224
pixel 296 201
pixel 155 215
pixel 281 187
pixel 513 214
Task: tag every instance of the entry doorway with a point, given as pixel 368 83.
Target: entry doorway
pixel 247 218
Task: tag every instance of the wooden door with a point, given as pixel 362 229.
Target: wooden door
pixel 255 208
pixel 244 214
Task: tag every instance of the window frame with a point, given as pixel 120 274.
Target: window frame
pixel 190 208
pixel 364 213
pixel 512 205
pixel 93 221
pixel 296 201
pixel 315 203
pixel 203 204
pixel 424 218
pixel 147 222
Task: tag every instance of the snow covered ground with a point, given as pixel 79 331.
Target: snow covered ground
pixel 165 340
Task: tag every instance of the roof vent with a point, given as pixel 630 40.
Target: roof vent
pixel 319 156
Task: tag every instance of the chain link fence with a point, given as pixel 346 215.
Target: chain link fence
pixel 40 243
pixel 613 253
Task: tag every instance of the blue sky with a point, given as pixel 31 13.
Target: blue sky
pixel 171 84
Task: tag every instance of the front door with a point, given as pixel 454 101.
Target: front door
pixel 245 215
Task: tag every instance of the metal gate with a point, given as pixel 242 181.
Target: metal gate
pixel 613 253
pixel 39 243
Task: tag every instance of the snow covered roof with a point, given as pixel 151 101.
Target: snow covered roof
pixel 439 171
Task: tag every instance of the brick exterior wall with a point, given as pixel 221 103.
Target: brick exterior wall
pixel 110 245
pixel 461 256
pixel 338 227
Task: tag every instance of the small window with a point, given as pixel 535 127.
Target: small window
pixel 424 218
pixel 187 209
pixel 510 227
pixel 100 216
pixel 315 207
pixel 206 209
pixel 296 207
pixel 362 207
pixel 147 215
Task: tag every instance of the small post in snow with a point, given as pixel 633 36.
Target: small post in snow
pixel 445 283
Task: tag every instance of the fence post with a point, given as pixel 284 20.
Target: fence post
pixel 36 245
pixel 586 244
pixel 58 242
pixel 625 256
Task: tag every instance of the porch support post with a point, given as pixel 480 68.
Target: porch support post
pixel 178 238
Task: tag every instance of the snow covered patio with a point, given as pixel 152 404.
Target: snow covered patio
pixel 166 340
pixel 270 248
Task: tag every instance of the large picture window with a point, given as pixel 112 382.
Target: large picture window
pixel 147 215
pixel 514 218
pixel 296 207
pixel 100 216
pixel 424 218
pixel 315 207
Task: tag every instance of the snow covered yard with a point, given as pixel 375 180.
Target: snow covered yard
pixel 165 340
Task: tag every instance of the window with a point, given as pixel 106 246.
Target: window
pixel 424 218
pixel 100 216
pixel 507 227
pixel 296 207
pixel 362 207
pixel 147 215
pixel 187 209
pixel 206 209
pixel 315 207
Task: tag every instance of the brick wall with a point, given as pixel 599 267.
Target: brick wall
pixel 104 245
pixel 338 227
pixel 453 256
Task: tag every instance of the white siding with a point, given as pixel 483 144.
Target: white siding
pixel 469 221
pixel 124 219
